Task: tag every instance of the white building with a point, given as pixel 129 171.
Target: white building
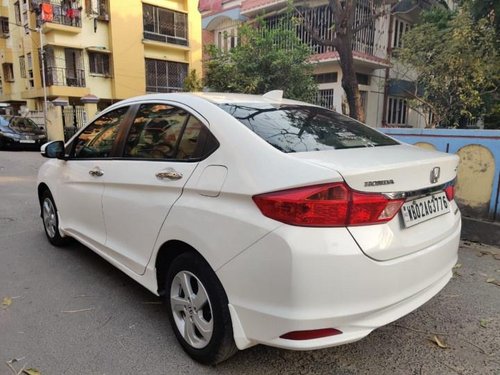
pixel 384 86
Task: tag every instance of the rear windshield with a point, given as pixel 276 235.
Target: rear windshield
pixel 23 124
pixel 299 128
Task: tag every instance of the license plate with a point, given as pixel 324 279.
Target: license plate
pixel 423 209
pixel 26 141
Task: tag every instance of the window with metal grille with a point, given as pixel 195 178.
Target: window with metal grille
pixel 326 77
pixel 99 63
pixel 17 11
pixel 397 111
pixel 400 27
pixel 29 62
pixel 164 25
pixel 97 8
pixel 22 66
pixel 165 76
pixel 26 16
pixel 325 98
pixel 8 72
pixel 4 27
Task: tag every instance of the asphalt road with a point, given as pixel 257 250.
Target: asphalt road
pixel 67 311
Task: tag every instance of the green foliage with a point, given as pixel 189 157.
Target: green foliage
pixel 264 60
pixel 192 82
pixel 457 62
pixel 489 9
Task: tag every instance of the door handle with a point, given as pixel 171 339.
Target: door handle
pixel 96 172
pixel 169 174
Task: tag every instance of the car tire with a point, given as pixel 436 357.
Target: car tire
pixel 50 220
pixel 199 315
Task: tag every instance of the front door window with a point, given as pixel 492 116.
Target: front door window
pixel 97 140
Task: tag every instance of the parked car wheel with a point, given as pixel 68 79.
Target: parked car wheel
pixel 197 307
pixel 51 220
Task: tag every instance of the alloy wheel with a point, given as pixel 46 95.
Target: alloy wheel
pixel 49 217
pixel 191 309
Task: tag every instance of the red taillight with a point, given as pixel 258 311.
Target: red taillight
pixel 450 192
pixel 312 334
pixel 327 205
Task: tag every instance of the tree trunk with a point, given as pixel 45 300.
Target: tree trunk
pixel 343 18
pixel 349 80
pixel 344 13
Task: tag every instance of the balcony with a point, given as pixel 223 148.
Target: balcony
pixel 366 52
pixel 64 12
pixel 55 76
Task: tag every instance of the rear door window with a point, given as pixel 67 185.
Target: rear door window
pixel 165 132
pixel 300 128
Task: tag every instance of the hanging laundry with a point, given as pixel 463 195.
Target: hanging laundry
pixel 47 12
pixel 73 10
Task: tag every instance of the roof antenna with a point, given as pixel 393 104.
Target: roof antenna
pixel 274 95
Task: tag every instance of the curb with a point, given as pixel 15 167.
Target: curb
pixel 486 232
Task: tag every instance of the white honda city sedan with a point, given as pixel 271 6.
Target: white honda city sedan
pixel 259 220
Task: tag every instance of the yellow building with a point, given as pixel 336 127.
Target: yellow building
pixel 110 49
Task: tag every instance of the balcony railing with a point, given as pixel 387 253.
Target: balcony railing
pixel 64 12
pixel 64 77
pixel 321 18
pixel 165 38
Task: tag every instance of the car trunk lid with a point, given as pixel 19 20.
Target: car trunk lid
pixel 395 170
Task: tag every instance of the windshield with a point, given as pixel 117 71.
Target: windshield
pixel 23 124
pixel 299 128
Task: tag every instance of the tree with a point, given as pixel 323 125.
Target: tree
pixel 348 21
pixel 264 60
pixel 456 60
pixel 192 82
pixel 489 9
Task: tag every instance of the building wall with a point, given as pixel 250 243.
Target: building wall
pixel 121 36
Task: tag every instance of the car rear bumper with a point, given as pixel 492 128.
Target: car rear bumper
pixel 325 281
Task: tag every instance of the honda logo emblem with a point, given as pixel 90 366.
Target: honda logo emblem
pixel 435 173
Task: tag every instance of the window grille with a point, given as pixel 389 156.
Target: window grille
pixel 164 25
pixel 99 63
pixel 325 98
pixel 397 111
pixel 165 76
pixel 399 29
pixel 22 66
pixel 4 27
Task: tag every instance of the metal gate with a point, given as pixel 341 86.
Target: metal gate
pixel 74 118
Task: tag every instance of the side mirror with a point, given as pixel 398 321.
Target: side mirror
pixel 54 149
